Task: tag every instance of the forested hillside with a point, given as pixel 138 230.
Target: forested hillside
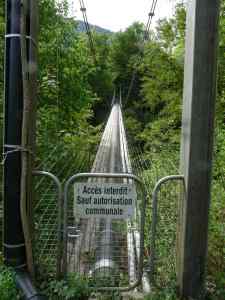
pixel 75 93
pixel 98 29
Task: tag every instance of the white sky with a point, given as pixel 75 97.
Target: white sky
pixel 119 14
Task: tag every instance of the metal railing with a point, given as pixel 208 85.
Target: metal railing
pixel 48 227
pixel 155 205
pixel 60 164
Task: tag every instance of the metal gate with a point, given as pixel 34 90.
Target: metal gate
pixel 48 224
pixel 108 252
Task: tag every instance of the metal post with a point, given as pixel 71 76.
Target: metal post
pixel 14 246
pixel 197 143
pixel 13 241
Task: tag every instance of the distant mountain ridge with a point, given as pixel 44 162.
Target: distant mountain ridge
pixel 81 28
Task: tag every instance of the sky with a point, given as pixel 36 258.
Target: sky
pixel 119 14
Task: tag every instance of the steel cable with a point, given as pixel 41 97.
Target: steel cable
pixel 145 39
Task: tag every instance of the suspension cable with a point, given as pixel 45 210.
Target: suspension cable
pixel 145 39
pixel 88 29
pixel 150 17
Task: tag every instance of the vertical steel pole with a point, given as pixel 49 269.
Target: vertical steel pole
pixel 197 143
pixel 14 246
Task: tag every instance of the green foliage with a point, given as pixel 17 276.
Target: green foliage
pixel 74 288
pixel 67 75
pixel 168 293
pixel 7 285
pixel 162 90
pixel 125 54
pixel 109 296
pixel 154 118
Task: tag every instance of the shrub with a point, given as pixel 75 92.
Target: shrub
pixel 7 284
pixel 74 288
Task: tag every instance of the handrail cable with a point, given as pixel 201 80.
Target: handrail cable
pixel 145 39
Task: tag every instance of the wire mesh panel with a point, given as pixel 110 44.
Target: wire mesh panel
pixel 46 225
pixel 169 197
pixel 99 251
pixel 47 209
pixel 151 169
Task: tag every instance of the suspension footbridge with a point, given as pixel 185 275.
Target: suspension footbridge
pixel 47 235
pixel 101 247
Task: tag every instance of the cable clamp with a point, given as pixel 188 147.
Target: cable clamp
pixel 151 14
pixel 15 148
pixel 18 35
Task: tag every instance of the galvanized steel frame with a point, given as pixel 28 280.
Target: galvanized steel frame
pixel 74 179
pixel 60 215
pixel 155 217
